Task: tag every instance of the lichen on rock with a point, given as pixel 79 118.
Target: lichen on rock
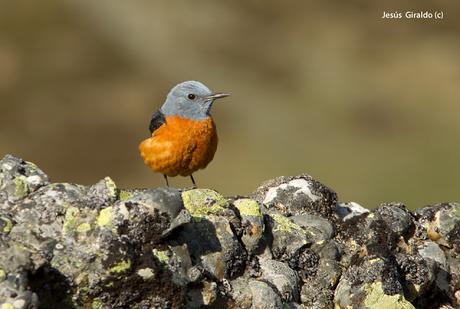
pixel 104 219
pixel 291 244
pixel 203 202
pixel 248 207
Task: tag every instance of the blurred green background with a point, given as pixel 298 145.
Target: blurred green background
pixel 369 107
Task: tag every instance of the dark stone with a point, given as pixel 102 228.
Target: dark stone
pixel 297 195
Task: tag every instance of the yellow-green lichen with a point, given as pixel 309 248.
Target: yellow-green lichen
pixel 84 227
pixel 2 275
pixel 82 279
pixel 70 219
pixel 7 225
pixel 121 267
pixel 125 195
pixel 375 260
pixel 20 187
pixel 109 284
pixel 248 207
pixel 7 306
pixel 456 210
pixel 96 304
pixel 377 299
pixel 283 224
pixel 32 167
pixel 111 186
pixel 203 202
pixel 105 217
pixel 161 255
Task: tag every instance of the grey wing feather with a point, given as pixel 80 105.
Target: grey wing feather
pixel 158 119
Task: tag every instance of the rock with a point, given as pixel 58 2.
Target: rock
pixel 297 195
pixel 396 218
pixel 454 284
pixel 240 293
pixel 289 245
pixel 314 297
pixel 356 286
pixel 252 222
pixel 177 261
pixel 288 237
pixel 375 297
pixel 431 251
pixel 263 296
pixel 321 278
pixel 317 228
pixel 417 275
pixel 18 178
pixel 283 278
pixel 377 233
pixel 103 193
pixel 166 202
pixel 14 294
pixel 210 237
pixel 14 281
pixel 349 210
pixel 442 224
pixel 203 202
pixel 437 263
pixel 203 295
pixel 42 217
pixel 5 225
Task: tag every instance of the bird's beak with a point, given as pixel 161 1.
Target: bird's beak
pixel 215 96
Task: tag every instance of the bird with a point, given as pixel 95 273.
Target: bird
pixel 183 133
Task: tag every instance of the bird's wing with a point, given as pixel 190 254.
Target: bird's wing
pixel 158 119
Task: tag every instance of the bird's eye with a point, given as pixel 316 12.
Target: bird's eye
pixel 191 96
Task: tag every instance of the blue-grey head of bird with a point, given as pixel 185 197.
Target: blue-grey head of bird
pixel 191 100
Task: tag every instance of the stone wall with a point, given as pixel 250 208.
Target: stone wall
pixel 291 244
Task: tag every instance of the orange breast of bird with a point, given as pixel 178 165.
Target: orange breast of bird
pixel 180 146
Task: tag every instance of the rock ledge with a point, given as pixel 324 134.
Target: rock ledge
pixel 291 244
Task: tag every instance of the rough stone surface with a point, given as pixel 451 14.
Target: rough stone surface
pixel 291 244
pixel 297 195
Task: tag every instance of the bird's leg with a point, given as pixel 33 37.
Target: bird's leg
pixel 166 178
pixel 193 181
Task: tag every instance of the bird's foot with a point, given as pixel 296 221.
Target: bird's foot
pixel 194 186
